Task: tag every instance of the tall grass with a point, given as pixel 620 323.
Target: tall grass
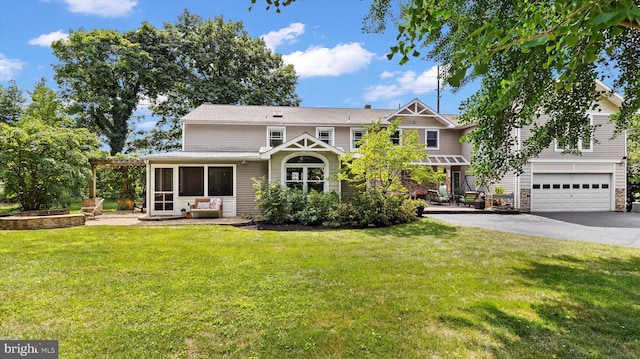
pixel 424 289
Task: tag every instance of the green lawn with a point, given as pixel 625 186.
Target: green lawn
pixel 420 290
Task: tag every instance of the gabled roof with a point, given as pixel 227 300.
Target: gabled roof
pixel 613 97
pixel 283 115
pixel 417 108
pixel 304 142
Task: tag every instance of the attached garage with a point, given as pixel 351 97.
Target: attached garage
pixel 554 192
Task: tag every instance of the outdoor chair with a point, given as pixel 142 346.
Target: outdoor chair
pixel 437 197
pixel 469 198
pixel 90 212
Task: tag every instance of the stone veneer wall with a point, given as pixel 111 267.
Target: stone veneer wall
pixel 525 200
pixel 42 222
pixel 621 200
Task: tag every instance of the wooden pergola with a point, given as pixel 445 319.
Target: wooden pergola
pixel 110 163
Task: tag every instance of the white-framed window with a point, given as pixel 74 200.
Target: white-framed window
pixel 357 134
pixel 432 139
pixel 396 137
pixel 585 144
pixel 325 134
pixel 276 136
pixel 306 173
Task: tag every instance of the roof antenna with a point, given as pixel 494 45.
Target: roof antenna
pixel 438 84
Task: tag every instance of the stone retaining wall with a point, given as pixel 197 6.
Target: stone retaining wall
pixel 42 222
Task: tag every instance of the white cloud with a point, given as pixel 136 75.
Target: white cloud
pixel 147 125
pixel 9 68
pixel 103 8
pixel 46 39
pixel 322 61
pixel 402 83
pixel 288 34
pixel 386 75
pixel 375 93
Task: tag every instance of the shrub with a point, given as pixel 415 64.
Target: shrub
pixel 272 201
pixel 320 207
pixel 376 209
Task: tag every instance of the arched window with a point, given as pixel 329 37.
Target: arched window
pixel 306 173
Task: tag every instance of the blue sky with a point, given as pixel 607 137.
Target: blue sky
pixel 338 65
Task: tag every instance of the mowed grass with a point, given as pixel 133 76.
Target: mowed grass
pixel 421 290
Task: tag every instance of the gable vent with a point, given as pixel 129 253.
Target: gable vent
pixel 277 114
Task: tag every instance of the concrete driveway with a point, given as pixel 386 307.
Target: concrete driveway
pixel 622 229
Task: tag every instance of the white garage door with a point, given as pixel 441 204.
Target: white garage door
pixel 571 192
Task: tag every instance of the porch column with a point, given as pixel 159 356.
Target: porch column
pixel 92 181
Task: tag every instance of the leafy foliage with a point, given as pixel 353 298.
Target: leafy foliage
pixel 532 57
pixel 43 158
pixel 272 199
pixel 380 164
pixel 633 162
pixel 372 208
pixel 104 75
pixel 234 69
pixel 11 103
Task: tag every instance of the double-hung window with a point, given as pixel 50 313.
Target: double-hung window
pixel 584 144
pixel 356 135
pixel 275 136
pixel 432 139
pixel 325 134
pixel 395 137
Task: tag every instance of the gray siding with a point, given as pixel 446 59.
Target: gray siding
pixel 604 147
pixel 201 138
pixel 245 193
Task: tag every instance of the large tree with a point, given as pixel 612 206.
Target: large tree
pixel 11 103
pixel 217 62
pixel 532 57
pixel 43 157
pixel 104 75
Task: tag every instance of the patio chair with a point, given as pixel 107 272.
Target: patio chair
pixel 469 198
pixel 437 196
pixel 90 212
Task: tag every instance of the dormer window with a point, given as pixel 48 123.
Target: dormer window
pixel 275 136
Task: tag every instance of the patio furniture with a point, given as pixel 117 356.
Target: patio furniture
pixel 468 199
pixel 437 197
pixel 206 207
pixel 90 212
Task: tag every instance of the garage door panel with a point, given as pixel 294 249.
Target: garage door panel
pixel 571 192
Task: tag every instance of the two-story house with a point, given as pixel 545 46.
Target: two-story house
pixel 226 146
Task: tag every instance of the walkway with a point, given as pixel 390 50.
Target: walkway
pixel 127 218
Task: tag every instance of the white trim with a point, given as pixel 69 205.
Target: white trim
pixel 351 139
pixel 310 144
pixel 283 167
pixel 276 128
pixel 333 134
pixel 574 160
pixel 580 141
pixel 437 131
pixel 399 138
pixel 425 111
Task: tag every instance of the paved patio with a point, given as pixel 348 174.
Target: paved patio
pixel 127 218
